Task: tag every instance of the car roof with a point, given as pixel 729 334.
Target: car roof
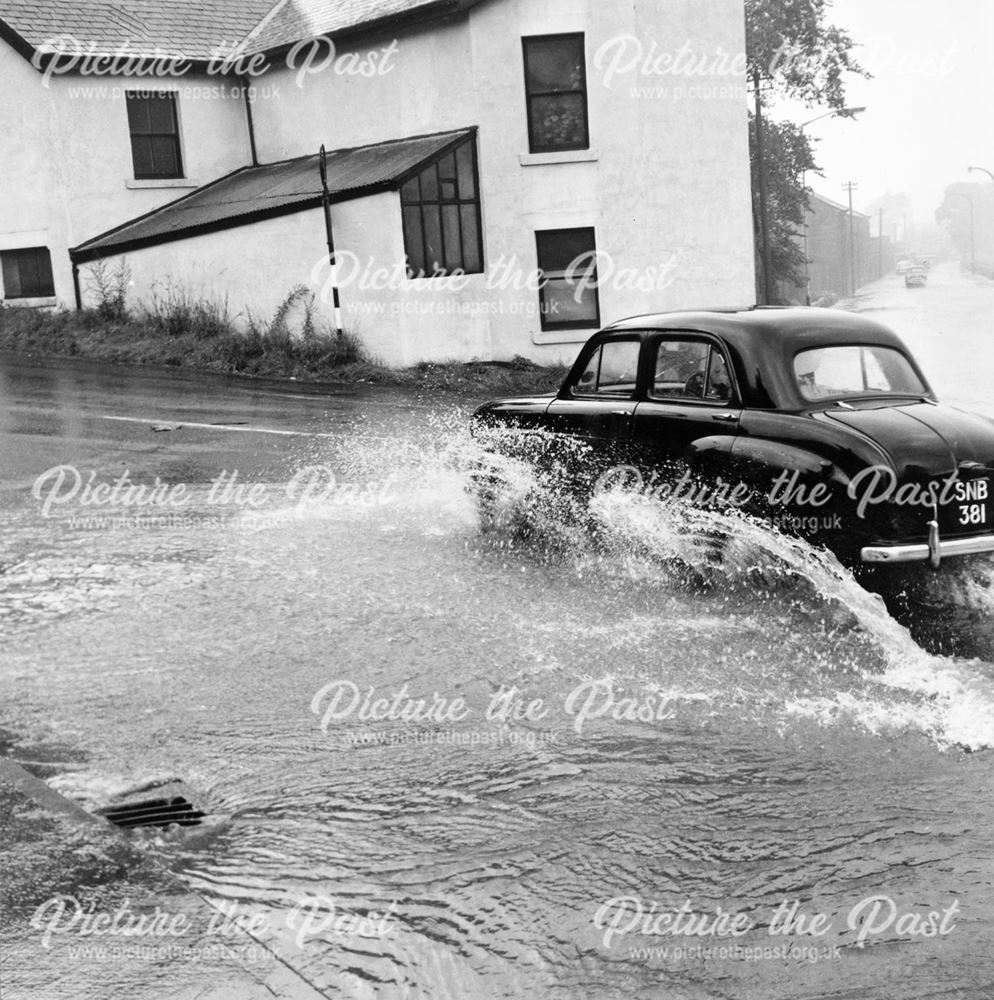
pixel 800 326
pixel 766 339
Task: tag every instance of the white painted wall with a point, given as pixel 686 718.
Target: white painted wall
pixel 667 190
pixel 232 268
pixel 400 321
pixel 66 173
pixel 665 184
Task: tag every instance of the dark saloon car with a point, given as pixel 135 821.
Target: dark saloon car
pixel 818 421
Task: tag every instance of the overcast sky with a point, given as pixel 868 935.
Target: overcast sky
pixel 930 105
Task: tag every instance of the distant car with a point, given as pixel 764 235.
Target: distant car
pixel 821 419
pixel 904 265
pixel 915 277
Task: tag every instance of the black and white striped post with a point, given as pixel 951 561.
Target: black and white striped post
pixel 326 201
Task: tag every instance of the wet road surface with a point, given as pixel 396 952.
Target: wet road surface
pixel 441 763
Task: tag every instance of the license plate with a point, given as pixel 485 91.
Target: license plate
pixel 970 507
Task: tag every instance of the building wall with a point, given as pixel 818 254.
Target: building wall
pixel 27 186
pixel 231 268
pixel 830 271
pixel 399 321
pixel 69 174
pixel 665 183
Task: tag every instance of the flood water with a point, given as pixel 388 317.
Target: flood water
pixel 580 735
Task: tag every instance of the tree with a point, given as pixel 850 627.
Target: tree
pixel 791 52
pixel 967 214
pixel 789 46
pixel 787 152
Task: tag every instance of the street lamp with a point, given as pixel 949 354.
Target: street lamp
pixel 982 170
pixel 840 112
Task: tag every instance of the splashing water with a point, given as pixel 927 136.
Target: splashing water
pixel 951 699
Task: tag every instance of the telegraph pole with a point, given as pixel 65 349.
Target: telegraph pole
pixel 850 186
pixel 764 224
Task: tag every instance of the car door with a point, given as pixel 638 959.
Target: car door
pixel 595 408
pixel 692 403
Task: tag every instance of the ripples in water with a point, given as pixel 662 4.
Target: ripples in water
pixel 807 748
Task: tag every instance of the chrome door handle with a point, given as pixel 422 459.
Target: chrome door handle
pixel 728 418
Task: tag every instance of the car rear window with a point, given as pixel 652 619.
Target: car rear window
pixel 855 370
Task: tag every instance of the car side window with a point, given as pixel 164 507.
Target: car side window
pixel 680 368
pixel 691 369
pixel 612 370
pixel 718 387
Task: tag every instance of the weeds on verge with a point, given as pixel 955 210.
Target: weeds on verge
pixel 175 312
pixel 178 328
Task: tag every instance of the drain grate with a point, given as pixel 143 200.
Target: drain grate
pixel 153 812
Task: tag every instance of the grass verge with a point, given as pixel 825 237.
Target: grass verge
pixel 180 331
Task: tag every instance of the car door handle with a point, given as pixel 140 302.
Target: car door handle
pixel 728 418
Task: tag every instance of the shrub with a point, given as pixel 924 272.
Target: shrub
pixel 110 288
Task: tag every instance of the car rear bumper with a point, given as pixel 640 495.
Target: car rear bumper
pixel 934 550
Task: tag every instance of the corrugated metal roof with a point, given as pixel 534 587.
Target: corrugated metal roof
pixel 273 189
pixel 197 30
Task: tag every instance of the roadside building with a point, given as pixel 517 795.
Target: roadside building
pixel 841 257
pixel 501 176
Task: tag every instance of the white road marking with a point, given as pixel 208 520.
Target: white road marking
pixel 223 427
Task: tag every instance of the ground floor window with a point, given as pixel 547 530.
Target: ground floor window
pixel 441 212
pixel 567 261
pixel 27 273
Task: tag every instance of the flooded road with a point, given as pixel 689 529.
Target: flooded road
pixel 444 763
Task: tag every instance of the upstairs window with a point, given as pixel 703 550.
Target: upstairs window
pixel 27 274
pixel 567 261
pixel 154 131
pixel 441 213
pixel 556 91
